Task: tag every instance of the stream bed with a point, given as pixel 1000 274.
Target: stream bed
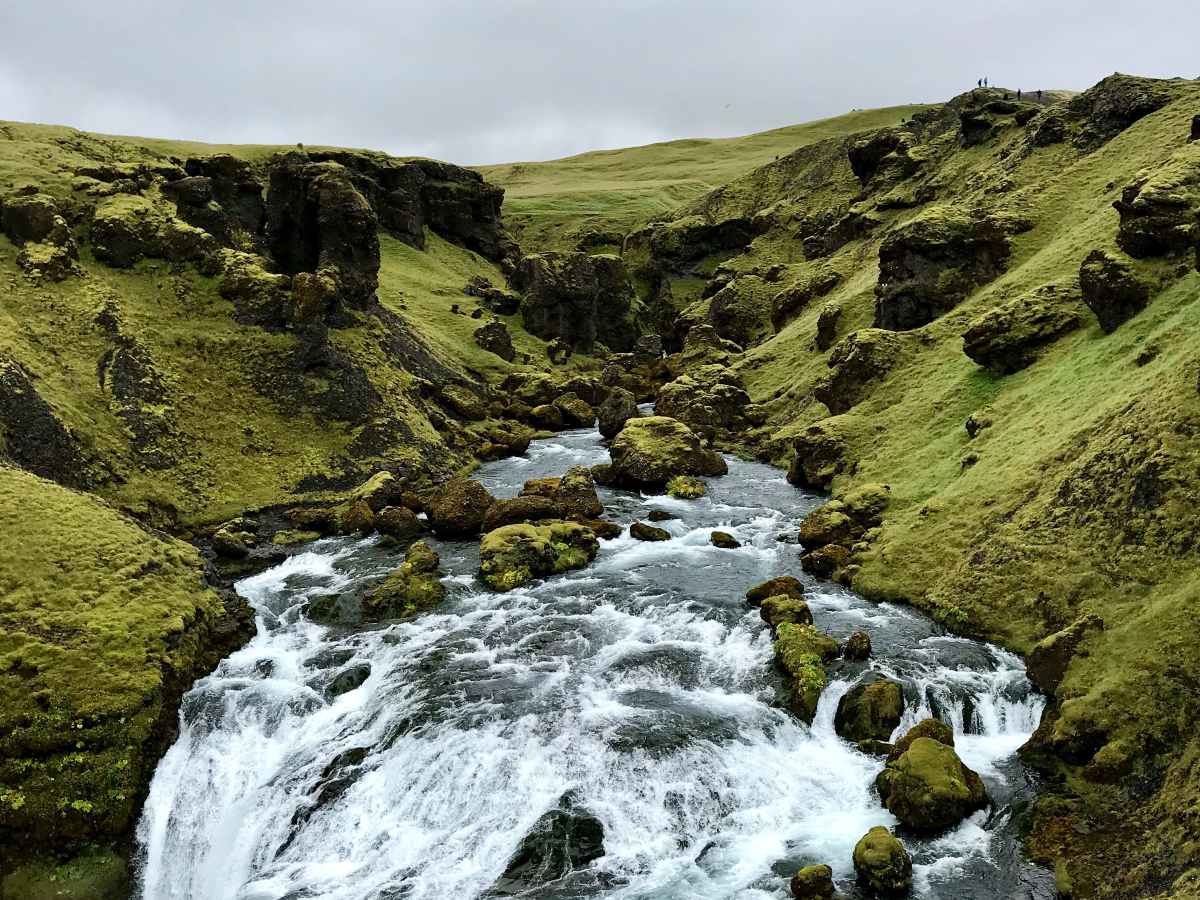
pixel 639 691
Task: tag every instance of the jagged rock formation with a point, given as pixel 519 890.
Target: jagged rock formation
pixel 577 298
pixel 1010 337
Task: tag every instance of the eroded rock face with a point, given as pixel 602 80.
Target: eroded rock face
pixel 1160 210
pixel 318 222
pixel 928 788
pixel 705 399
pixel 793 300
pixel 516 554
pixel 410 195
pixel 882 157
pixel 820 456
pixel 882 864
pixel 222 195
pixel 33 222
pixel 649 451
pixel 1008 338
pixel 827 324
pixel 577 298
pixel 1112 105
pixel 1048 660
pixel 860 359
pixel 741 311
pixel 129 228
pixel 928 266
pixel 34 437
pixel 1111 289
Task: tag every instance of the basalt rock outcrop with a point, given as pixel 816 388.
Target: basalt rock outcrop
pixel 1009 338
pixel 319 224
pixel 577 298
pixel 928 266
pixel 619 407
pixel 1112 289
pixel 707 399
pixel 35 224
pixel 857 361
pixel 223 196
pixel 1160 209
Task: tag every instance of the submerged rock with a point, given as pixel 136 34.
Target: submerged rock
pixel 869 711
pixel 857 647
pixel 882 864
pixel 724 540
pixel 514 555
pixel 928 788
pixel 650 451
pixel 643 532
pixel 559 843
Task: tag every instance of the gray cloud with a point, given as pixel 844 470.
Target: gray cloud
pixel 479 82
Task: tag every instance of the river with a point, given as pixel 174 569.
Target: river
pixel 638 691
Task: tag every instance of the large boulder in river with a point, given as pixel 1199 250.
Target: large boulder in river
pixel 1112 289
pixel 1009 337
pixel 812 883
pixel 577 298
pixel 801 653
pixel 870 711
pixel 928 266
pixel 412 587
pixel 928 787
pixel 931 728
pixel 458 508
pixel 857 362
pixel 780 586
pixel 706 398
pixel 514 555
pixel 574 493
pixel 618 408
pixel 651 450
pixel 882 864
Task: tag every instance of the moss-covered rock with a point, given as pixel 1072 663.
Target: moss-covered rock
pixel 870 711
pixel 580 298
pixel 780 586
pixel 686 487
pixel 819 454
pixel 934 729
pixel 856 363
pixel 643 532
pixel 882 864
pixel 1047 662
pixel 1010 337
pixel 1112 289
pixel 857 647
pixel 1160 209
pixel 812 883
pixel 706 398
pixel 801 653
pixel 399 523
pixel 929 265
pixel 514 555
pixel 928 788
pixel 464 402
pixel 652 450
pixel 521 509
pixel 493 337
pixel 576 412
pixel 95 874
pixel 825 561
pixel 782 608
pixel 458 508
pixel 410 588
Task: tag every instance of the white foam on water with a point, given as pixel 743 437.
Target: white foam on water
pixel 656 714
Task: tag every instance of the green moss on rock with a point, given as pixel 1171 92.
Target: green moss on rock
pixel 513 555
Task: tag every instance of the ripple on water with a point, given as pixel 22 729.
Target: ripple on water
pixel 642 687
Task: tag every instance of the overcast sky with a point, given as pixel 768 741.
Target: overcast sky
pixel 480 82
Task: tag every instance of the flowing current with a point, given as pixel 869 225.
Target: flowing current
pixel 639 691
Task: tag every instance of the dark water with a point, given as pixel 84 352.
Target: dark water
pixel 641 688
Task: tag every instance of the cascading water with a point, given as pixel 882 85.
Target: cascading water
pixel 639 690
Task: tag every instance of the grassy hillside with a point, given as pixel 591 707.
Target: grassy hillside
pixel 1076 494
pixel 555 203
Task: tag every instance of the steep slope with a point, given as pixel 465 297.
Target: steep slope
pixel 593 199
pixel 991 310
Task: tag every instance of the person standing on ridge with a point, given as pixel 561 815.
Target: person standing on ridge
pixel 1018 93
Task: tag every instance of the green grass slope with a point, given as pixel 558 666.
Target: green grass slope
pixel 555 203
pixel 1081 496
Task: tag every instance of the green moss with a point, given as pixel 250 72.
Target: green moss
pixel 95 874
pixel 686 487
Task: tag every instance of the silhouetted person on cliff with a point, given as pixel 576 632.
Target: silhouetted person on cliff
pixel 1018 93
